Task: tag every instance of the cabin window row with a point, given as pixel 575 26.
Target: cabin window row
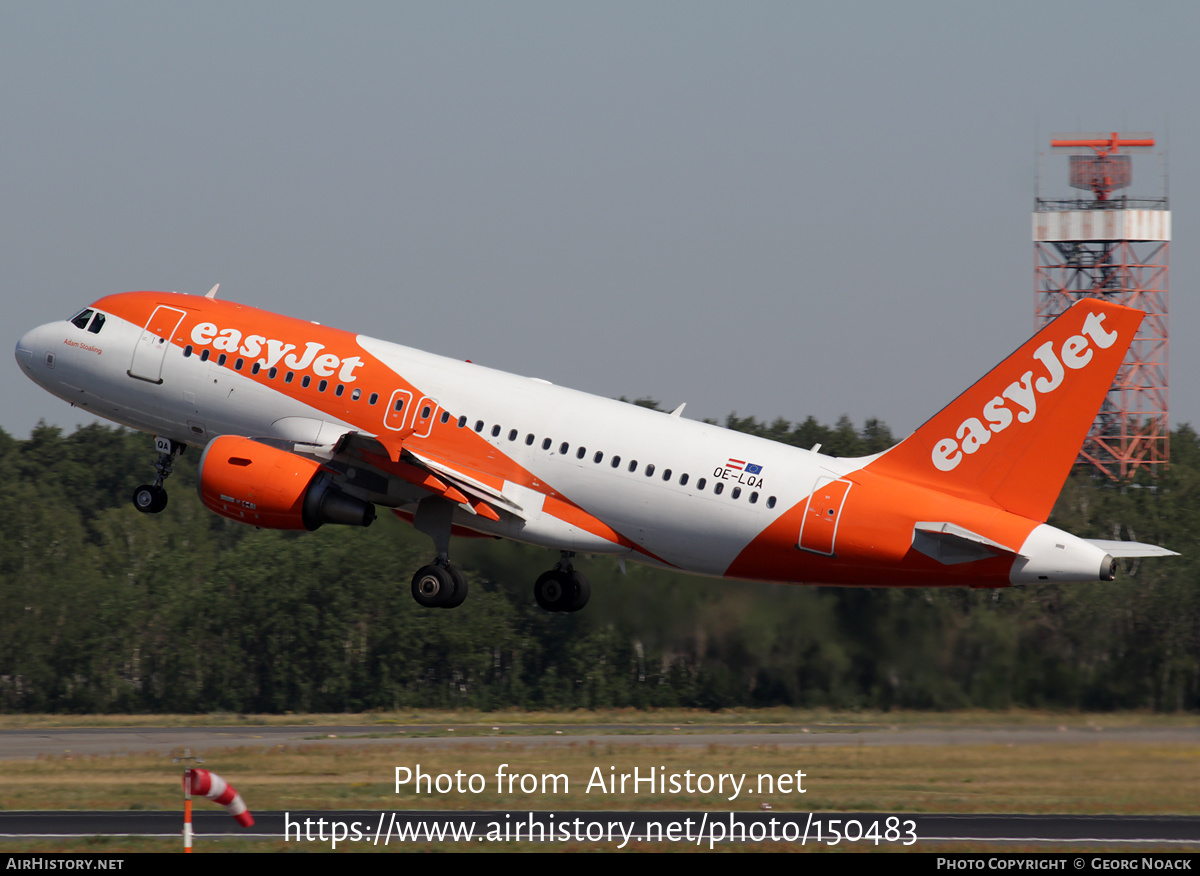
pixel 564 448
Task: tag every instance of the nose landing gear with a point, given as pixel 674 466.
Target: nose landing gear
pixel 152 498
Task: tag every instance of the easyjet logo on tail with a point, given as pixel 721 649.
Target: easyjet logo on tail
pixel 1020 398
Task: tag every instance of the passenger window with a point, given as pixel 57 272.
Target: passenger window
pixel 289 377
pixel 462 421
pixel 445 417
pixel 546 442
pixel 322 385
pixel 771 502
pixel 599 457
pixel 754 498
pixel 737 491
pixel 274 372
pixel 255 368
pixel 633 465
pixel 700 483
pixel 616 461
pixel 683 479
pixel 204 355
pixel 425 412
pixel 650 470
pixel 667 475
pixel 512 434
pixel 354 396
pixel 187 351
pixel 305 381
pixel 581 452
pixel 563 448
pixel 372 400
pixel 479 425
pixel 529 439
pixel 97 324
pixel 719 488
pixel 398 407
pixel 496 431
pixel 237 366
pixel 341 387
pixel 221 359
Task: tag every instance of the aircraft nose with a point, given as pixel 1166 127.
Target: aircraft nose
pixel 25 348
pixel 32 350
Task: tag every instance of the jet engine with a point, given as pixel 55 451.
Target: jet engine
pixel 255 483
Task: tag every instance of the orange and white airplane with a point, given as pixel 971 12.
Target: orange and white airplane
pixel 304 425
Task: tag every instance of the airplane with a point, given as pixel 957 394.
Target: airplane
pixel 304 425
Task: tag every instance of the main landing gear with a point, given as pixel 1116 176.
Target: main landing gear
pixel 439 585
pixel 562 588
pixel 152 498
pixel 443 585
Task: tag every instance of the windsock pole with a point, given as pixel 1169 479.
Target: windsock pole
pixel 187 812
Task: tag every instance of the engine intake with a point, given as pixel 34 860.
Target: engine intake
pixel 255 483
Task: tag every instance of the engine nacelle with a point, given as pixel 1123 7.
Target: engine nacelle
pixel 255 483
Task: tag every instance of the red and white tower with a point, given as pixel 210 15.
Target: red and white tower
pixel 1111 247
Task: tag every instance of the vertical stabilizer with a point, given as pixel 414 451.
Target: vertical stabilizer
pixel 1012 438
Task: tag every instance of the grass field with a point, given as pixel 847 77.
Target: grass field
pixel 1092 777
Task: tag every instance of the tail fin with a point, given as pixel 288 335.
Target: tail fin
pixel 1012 437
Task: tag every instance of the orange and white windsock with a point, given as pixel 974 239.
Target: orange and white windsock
pixel 218 790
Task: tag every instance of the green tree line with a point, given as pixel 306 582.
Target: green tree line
pixel 103 609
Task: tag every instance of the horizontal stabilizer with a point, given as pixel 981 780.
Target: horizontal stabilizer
pixel 950 544
pixel 1121 549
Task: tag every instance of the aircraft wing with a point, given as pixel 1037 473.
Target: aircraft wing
pixel 436 478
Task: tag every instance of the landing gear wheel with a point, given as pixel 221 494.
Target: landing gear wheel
pixel 552 589
pixel 149 499
pixel 562 590
pixel 434 587
pixel 460 588
pixel 581 592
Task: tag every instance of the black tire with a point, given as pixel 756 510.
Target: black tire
pixel 581 592
pixel 553 590
pixel 433 586
pixel 460 588
pixel 149 499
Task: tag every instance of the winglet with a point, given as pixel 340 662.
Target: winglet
pixel 212 293
pixel 1011 439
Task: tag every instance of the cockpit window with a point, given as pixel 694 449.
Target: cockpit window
pixel 81 320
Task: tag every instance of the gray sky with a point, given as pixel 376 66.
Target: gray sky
pixel 778 209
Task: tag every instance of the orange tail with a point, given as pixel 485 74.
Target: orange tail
pixel 1012 437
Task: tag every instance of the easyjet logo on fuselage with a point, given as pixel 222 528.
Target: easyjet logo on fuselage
pixel 232 341
pixel 1074 353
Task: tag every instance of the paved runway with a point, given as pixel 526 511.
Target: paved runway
pixel 34 743
pixel 365 829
